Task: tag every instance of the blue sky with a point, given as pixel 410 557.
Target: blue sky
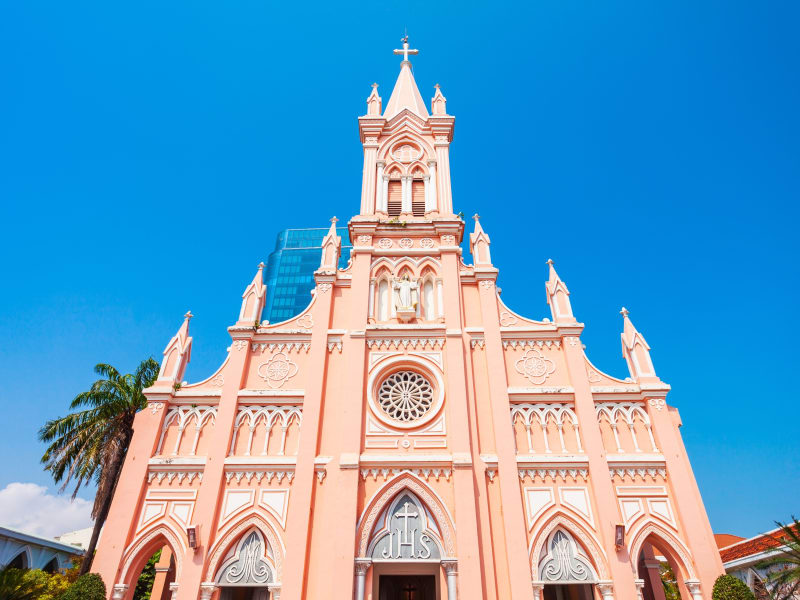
pixel 150 152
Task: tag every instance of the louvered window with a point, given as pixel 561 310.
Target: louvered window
pixel 395 200
pixel 418 198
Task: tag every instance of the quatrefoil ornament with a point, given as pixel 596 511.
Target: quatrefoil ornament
pixel 535 366
pixel 277 370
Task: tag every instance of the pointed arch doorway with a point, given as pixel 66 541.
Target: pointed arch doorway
pixel 405 556
pixel 564 570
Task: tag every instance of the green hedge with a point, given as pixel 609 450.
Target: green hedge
pixel 728 587
pixel 87 587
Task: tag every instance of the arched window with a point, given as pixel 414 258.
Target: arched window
pixel 429 310
pixel 383 300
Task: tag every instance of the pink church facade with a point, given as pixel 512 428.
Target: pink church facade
pixel 408 435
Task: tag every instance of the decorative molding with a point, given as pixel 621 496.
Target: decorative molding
pixel 155 406
pixel 535 366
pixel 448 240
pixel 335 345
pixel 657 403
pixel 187 474
pixel 218 381
pixel 324 288
pixel 364 240
pixel 426 243
pixel 553 473
pixel 487 284
pixel 285 347
pixel 385 243
pixel 386 473
pixel 240 344
pixel 480 343
pixel 406 243
pixel 526 343
pixel 545 413
pixel 564 561
pixel 306 321
pixel 628 411
pixel 277 370
pixel 634 470
pixel 405 343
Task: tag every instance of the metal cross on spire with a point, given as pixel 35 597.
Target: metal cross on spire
pixel 406 50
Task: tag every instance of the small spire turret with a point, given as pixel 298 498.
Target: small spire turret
pixel 635 350
pixel 558 297
pixel 479 243
pixel 253 299
pixel 177 354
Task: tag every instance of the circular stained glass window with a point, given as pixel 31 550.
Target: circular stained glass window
pixel 405 396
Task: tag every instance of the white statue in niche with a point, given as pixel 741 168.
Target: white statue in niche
pixel 406 297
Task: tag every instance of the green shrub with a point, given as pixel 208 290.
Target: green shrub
pixel 728 587
pixel 50 585
pixel 87 587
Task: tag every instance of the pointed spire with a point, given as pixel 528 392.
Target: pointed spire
pixel 558 297
pixel 635 350
pixel 438 103
pixel 405 94
pixel 479 244
pixel 253 299
pixel 331 247
pixel 374 102
pixel 178 353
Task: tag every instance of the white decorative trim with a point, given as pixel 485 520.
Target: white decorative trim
pixel 155 407
pixel 405 343
pixel 515 343
pixel 259 473
pixel 324 288
pixel 554 473
pixel 170 474
pixel 658 403
pixel 642 471
pixel 387 472
pixel 587 539
pixel 285 347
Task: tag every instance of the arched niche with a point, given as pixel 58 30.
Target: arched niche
pixel 405 531
pixel 249 563
pixel 563 560
pixel 586 545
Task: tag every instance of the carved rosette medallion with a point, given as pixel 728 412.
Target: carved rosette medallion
pixel 385 243
pixel 406 243
pixel 364 240
pixel 277 370
pixel 426 243
pixel 218 381
pixel 324 287
pixel 657 403
pixel 448 240
pixel 535 366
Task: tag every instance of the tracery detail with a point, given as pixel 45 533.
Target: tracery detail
pixel 249 566
pixel 564 561
pixel 405 396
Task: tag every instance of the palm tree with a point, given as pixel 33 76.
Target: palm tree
pixel 89 445
pixel 783 568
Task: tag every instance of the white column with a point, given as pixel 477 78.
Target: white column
pixel 606 589
pixel 693 585
pixel 538 588
pixel 362 566
pixel 430 196
pixel 450 566
pixel 380 198
pixel 639 588
pixel 207 590
pixel 120 589
pixel 274 591
pixel 173 589
pixel 440 299
pixel 406 198
pixel 385 194
pixel 371 311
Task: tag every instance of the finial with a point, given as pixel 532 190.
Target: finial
pixel 477 217
pixel 436 85
pixel 550 262
pixel 624 312
pixel 261 265
pixel 375 86
pixel 188 315
pixel 334 219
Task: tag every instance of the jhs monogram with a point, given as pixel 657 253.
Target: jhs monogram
pixel 417 543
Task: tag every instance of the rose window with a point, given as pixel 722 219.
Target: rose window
pixel 405 396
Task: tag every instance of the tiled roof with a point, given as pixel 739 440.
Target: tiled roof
pixel 724 540
pixel 750 547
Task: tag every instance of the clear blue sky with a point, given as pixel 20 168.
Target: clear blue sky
pixel 150 152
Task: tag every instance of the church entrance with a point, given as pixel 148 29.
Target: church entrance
pixel 568 592
pixel 244 593
pixel 407 587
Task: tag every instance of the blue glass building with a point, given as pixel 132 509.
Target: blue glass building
pixel 290 270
